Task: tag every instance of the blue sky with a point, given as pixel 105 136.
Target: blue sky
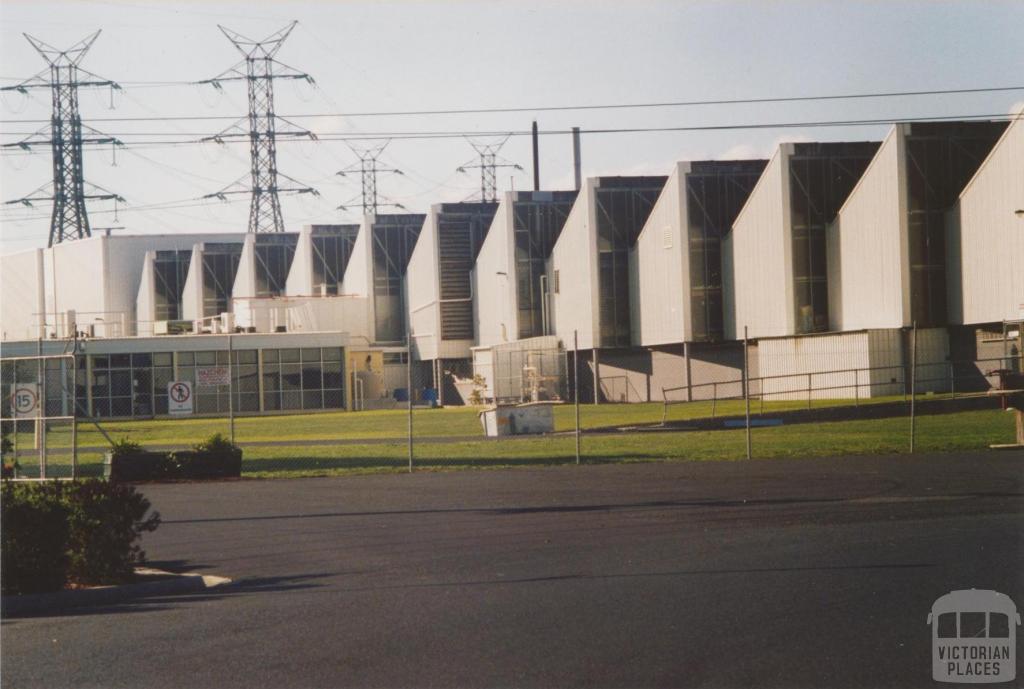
pixel 386 56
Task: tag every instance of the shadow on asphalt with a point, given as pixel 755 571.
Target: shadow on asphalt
pixel 157 603
pixel 604 507
pixel 402 462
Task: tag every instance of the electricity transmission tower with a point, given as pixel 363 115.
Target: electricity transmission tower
pixel 368 169
pixel 489 164
pixel 259 69
pixel 67 191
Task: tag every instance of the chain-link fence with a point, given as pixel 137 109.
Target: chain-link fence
pixel 37 417
pixel 325 410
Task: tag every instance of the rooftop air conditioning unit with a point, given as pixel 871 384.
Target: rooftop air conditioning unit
pixel 171 327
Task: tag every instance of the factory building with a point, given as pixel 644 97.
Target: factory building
pixel 516 357
pixel 592 285
pixel 890 262
pixel 828 254
pixel 774 258
pixel 440 292
pixel 678 311
pixel 986 237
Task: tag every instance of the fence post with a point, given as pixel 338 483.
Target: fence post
pixel 41 412
pixel 231 389
pixel 856 387
pixel 74 411
pixel 952 379
pixel 664 406
pixel 576 388
pixel 809 390
pixel 714 398
pixel 746 387
pixel 913 383
pixel 408 390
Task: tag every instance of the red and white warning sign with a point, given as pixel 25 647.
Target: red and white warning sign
pixel 179 397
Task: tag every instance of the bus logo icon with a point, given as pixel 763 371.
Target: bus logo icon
pixel 974 637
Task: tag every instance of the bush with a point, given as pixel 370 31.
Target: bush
pixel 33 547
pixel 8 462
pixel 105 521
pixel 79 531
pixel 217 444
pixel 124 447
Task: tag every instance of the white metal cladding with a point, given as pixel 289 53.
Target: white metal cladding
pixel 358 273
pixel 22 295
pixel 759 292
pixel 300 277
pixel 791 366
pixel 663 294
pixel 933 370
pixel 145 302
pixel 991 236
pixel 421 280
pixel 573 258
pixel 867 242
pixel 822 366
pixel 97 277
pixel 495 299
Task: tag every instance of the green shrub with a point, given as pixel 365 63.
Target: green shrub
pixel 33 545
pixel 80 531
pixel 106 521
pixel 217 444
pixel 8 462
pixel 124 446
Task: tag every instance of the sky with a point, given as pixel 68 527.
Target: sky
pixel 374 57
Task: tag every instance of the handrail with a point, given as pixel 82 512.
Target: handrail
pixel 948 374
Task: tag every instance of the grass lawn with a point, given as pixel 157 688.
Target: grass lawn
pixel 948 432
pixel 340 425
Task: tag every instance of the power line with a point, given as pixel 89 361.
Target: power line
pixel 557 108
pixel 451 134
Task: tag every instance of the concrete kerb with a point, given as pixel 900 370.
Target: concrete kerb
pixel 164 584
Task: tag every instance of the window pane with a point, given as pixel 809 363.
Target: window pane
pixel 998 626
pixel 972 625
pixel 289 355
pixel 947 625
pixel 206 358
pixel 271 356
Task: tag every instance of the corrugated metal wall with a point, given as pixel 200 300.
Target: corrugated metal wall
pixel 869 236
pixel 761 293
pixel 662 270
pixel 992 236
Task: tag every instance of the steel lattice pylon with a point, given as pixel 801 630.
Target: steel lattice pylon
pixel 368 169
pixel 489 164
pixel 69 219
pixel 264 126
